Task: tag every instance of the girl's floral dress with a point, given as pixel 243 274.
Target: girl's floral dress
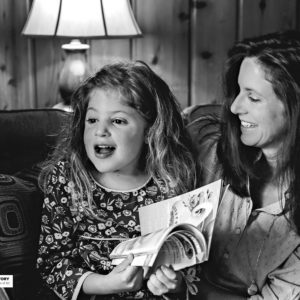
pixel 69 247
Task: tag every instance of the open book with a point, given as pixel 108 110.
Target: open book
pixel 176 231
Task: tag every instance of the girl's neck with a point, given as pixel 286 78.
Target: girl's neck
pixel 120 181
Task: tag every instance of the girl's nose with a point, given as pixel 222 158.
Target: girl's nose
pixel 102 130
pixel 238 105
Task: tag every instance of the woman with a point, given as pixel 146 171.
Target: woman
pixel 255 252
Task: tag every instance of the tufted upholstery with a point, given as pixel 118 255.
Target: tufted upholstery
pixel 26 137
pixel 20 205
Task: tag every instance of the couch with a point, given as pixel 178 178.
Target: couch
pixel 26 138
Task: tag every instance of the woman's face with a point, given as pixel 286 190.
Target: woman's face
pixel 261 112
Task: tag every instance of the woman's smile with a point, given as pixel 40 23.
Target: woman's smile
pixel 260 112
pixel 245 124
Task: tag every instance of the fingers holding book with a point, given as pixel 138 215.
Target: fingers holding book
pixel 165 280
pixel 129 278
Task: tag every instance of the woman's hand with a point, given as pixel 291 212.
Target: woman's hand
pixel 165 280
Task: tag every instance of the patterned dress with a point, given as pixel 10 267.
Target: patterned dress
pixel 69 246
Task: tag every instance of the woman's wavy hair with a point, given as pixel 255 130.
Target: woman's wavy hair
pixel 279 56
pixel 167 153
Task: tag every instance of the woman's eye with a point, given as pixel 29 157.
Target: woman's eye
pixel 253 98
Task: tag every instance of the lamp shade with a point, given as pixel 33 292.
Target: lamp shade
pixel 82 19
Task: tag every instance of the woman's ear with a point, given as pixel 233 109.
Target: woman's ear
pixel 146 136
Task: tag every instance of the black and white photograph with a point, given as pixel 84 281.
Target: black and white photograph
pixel 150 149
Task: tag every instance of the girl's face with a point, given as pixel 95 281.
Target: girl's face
pixel 261 113
pixel 114 133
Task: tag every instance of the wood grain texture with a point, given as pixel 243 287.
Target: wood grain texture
pixel 213 33
pixel 24 55
pixel 7 49
pixel 48 59
pixel 104 52
pixel 184 41
pixel 165 42
pixel 265 16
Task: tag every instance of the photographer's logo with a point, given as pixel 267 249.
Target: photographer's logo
pixel 6 281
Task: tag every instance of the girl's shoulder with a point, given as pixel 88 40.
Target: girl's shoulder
pixel 59 170
pixel 61 167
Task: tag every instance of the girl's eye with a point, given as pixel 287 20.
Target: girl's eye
pixel 91 120
pixel 119 121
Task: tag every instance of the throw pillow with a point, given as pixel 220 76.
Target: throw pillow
pixel 20 209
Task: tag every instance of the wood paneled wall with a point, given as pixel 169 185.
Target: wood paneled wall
pixel 184 41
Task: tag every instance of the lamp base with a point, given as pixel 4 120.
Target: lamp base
pixel 74 70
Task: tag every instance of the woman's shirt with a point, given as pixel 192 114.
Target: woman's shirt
pixel 73 243
pixel 248 244
pixel 257 246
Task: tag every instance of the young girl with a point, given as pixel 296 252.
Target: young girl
pixel 125 147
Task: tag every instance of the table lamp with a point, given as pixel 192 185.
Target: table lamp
pixel 75 19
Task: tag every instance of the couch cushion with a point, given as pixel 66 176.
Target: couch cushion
pixel 20 209
pixel 27 136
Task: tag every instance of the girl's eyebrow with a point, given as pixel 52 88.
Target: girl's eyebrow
pixel 112 111
pixel 91 108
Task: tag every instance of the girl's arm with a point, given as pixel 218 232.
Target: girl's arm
pixel 58 259
pixel 123 278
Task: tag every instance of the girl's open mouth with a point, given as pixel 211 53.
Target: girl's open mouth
pixel 104 151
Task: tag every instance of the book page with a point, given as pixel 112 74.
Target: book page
pixel 176 251
pixel 180 245
pixel 175 231
pixel 182 249
pixel 142 245
pixel 198 207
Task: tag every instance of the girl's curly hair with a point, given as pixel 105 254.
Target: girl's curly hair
pixel 167 153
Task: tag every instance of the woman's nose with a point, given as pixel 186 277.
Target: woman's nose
pixel 238 105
